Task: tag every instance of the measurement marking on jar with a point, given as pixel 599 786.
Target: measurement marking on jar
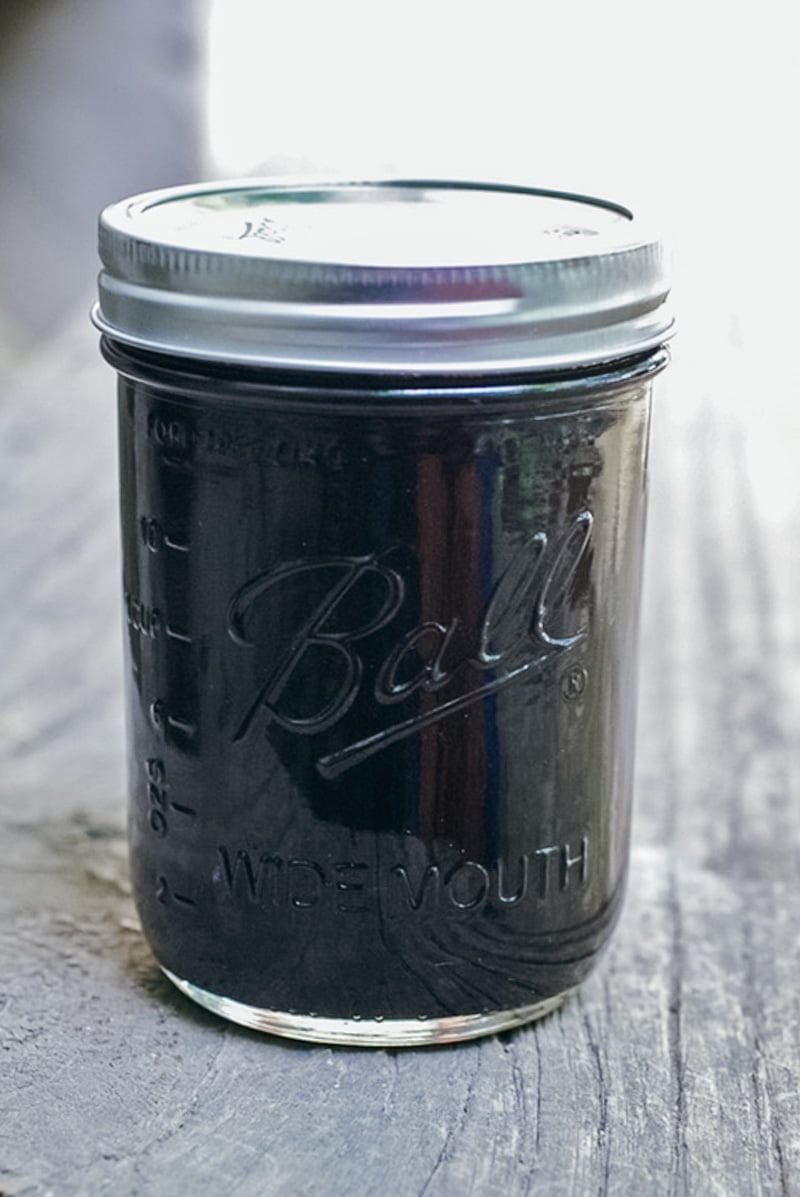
pixel 164 720
pixel 150 622
pixel 174 634
pixel 166 894
pixel 181 725
pixel 158 795
pixel 180 809
pixel 155 538
pixel 177 463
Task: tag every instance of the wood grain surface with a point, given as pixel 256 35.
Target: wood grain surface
pixel 674 1070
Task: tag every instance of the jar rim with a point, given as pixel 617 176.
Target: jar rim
pixel 395 276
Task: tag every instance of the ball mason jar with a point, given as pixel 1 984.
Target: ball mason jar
pixel 382 460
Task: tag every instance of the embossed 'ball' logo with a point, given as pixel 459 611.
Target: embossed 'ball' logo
pixel 530 617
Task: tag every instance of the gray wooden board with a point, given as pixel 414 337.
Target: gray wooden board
pixel 673 1071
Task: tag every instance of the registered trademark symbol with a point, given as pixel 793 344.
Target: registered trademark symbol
pixel 573 682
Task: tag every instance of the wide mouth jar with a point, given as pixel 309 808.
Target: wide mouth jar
pixel 383 453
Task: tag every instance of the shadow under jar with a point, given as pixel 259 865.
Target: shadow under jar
pixel 382 458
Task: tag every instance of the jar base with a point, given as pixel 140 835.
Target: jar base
pixel 367 1032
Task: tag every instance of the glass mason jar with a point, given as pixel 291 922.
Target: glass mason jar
pixel 382 460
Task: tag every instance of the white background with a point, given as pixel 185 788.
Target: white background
pixel 688 110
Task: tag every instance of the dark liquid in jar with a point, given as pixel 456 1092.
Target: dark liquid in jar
pixel 380 719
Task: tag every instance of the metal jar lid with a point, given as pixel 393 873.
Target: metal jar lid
pixel 401 276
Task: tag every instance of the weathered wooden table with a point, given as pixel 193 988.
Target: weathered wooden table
pixel 673 1071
